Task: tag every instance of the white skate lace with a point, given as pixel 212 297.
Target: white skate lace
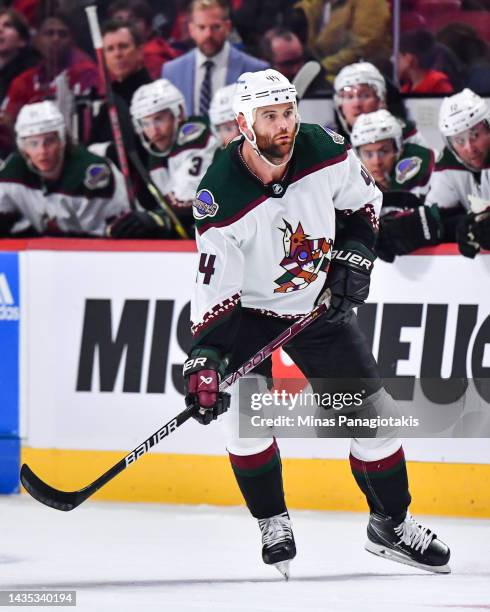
pixel 414 535
pixel 275 529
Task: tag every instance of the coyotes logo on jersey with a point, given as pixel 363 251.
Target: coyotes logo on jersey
pixel 304 258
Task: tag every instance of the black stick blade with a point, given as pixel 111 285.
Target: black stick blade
pixel 47 495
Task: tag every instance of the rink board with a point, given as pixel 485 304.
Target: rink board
pixel 104 332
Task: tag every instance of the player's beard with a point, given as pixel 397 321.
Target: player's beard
pixel 273 149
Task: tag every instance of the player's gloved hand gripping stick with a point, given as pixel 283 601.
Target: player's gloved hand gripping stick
pixel 68 500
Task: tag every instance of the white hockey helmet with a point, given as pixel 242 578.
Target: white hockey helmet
pixel 263 88
pixel 360 73
pixel 221 107
pixel 39 118
pixel 153 98
pixel 376 126
pixel 353 75
pixel 461 112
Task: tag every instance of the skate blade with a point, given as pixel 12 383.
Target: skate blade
pixel 393 555
pixel 283 568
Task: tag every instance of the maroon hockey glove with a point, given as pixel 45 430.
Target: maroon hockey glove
pixel 202 373
pixel 348 278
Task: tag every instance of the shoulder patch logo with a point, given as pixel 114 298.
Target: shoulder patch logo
pixel 204 205
pixel 337 138
pixel 97 176
pixel 407 168
pixel 190 131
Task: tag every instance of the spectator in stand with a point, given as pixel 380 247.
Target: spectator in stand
pixel 123 52
pixel 402 171
pixel 199 73
pixel 253 18
pixel 60 56
pixel 340 32
pixel 472 52
pixel 460 184
pixel 53 187
pixel 361 88
pixel 286 54
pixel 156 51
pixel 415 62
pixel 16 53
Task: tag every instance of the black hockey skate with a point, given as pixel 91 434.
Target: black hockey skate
pixel 278 546
pixel 407 542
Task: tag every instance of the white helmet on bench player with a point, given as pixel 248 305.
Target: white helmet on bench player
pixel 221 108
pixel 152 98
pixel 264 88
pixel 353 75
pixel 459 113
pixel 373 127
pixel 39 118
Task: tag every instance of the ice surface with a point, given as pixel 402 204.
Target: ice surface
pixel 137 557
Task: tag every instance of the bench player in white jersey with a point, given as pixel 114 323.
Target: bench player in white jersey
pixel 460 183
pixel 180 149
pixel 361 88
pixel 266 229
pixel 222 117
pixel 53 187
pixel 402 171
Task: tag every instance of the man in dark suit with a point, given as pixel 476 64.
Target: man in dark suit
pixel 214 63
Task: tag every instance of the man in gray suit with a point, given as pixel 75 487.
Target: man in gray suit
pixel 214 63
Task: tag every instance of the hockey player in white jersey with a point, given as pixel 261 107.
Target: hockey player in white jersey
pixel 402 171
pixel 460 184
pixel 180 149
pixel 222 117
pixel 266 214
pixel 361 88
pixel 53 187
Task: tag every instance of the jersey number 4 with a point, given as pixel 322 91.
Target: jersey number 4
pixel 206 267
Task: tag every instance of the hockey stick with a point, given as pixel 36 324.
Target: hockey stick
pixel 305 77
pixel 68 500
pixel 156 193
pixel 96 36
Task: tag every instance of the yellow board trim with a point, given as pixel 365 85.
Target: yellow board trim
pixel 316 484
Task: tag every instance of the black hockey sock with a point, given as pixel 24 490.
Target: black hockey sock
pixel 384 483
pixel 259 477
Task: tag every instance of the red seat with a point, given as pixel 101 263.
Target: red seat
pixel 412 21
